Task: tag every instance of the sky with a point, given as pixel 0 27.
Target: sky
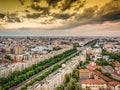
pixel 59 17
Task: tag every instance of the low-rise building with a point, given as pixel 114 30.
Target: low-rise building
pixel 91 66
pixel 84 73
pixel 94 84
pixel 117 67
pixel 114 85
pixel 98 75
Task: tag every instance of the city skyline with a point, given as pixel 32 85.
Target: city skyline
pixel 59 18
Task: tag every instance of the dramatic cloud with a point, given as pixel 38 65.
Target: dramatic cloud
pixel 88 13
pixel 110 12
pixel 62 16
pixel 33 15
pixel 2 15
pixel 94 15
pixel 58 14
pixel 22 2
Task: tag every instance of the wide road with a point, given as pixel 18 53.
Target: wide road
pixel 19 86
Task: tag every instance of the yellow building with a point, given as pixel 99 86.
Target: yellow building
pixel 18 50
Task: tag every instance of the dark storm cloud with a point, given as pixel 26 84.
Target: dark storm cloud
pixel 91 15
pixel 37 7
pixel 63 16
pixel 33 15
pixel 12 17
pixel 52 2
pixel 22 2
pixel 68 13
pixel 2 15
pixel 35 0
pixel 112 16
pixel 110 12
pixel 79 4
pixel 67 4
pixel 88 13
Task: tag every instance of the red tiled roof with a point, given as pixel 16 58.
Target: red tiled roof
pixel 84 71
pixel 93 81
pixel 114 83
pixel 102 76
pixel 92 67
pixel 117 63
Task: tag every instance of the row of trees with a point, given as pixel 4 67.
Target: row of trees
pixel 44 75
pixel 91 43
pixel 105 62
pixel 20 76
pixel 102 62
pixel 104 73
pixel 112 55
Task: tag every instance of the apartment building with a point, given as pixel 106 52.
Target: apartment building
pixel 57 78
pixel 6 70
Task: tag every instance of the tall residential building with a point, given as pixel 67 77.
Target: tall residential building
pixel 18 50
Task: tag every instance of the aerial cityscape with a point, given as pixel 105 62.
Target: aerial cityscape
pixel 59 63
pixel 59 44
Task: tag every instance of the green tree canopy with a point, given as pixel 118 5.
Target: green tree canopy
pixel 8 57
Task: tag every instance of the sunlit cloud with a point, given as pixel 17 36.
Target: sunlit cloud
pixel 60 16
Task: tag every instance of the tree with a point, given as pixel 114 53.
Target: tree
pixel 88 88
pixel 112 64
pixel 83 67
pixel 72 85
pixel 99 69
pixel 76 74
pixel 68 78
pixel 76 87
pixel 81 63
pixel 102 62
pixel 112 55
pixel 8 57
pixel 107 74
pixel 69 86
pixel 61 87
pixel 1 88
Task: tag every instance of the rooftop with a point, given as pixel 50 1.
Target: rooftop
pixel 117 63
pixel 93 81
pixel 114 83
pixel 102 76
pixel 84 71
